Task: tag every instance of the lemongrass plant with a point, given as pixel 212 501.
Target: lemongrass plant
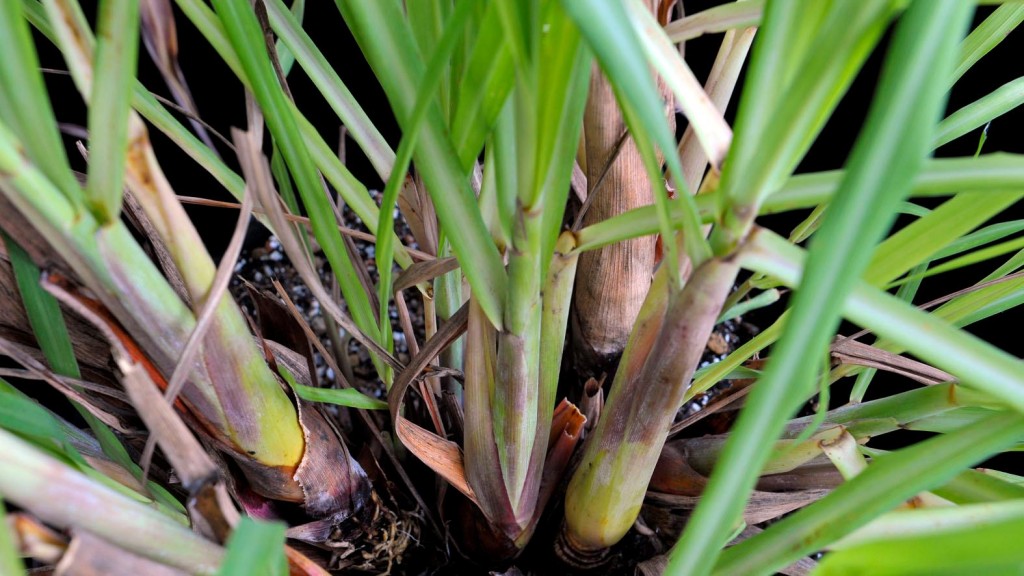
pixel 557 219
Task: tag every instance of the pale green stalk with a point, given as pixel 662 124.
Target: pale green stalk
pixel 67 499
pixel 252 421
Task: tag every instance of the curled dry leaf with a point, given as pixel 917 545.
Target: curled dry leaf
pixel 761 507
pixel 160 36
pixel 35 539
pixel 418 210
pixel 442 456
pixel 849 351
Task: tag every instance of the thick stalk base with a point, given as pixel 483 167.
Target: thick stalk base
pixel 575 555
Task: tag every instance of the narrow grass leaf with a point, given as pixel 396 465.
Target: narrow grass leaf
pixel 23 416
pixel 44 313
pixel 981 237
pixel 900 524
pixel 885 483
pixel 979 113
pixel 922 238
pixel 354 192
pixel 385 38
pixel 428 21
pixel 424 99
pixel 114 59
pixel 887 155
pixel 992 549
pixel 940 177
pixel 766 298
pixel 974 486
pixel 993 30
pixel 247 39
pixel 484 89
pixel 25 103
pixel 787 123
pixel 326 79
pixel 349 397
pixel 1011 265
pixel 51 333
pixel 973 257
pixel 931 337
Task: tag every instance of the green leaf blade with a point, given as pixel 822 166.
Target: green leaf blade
pixel 887 155
pixel 114 60
pixel 255 547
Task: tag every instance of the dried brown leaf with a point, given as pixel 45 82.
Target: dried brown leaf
pixel 363 414
pixel 421 272
pixel 449 332
pixel 442 456
pixel 191 463
pixel 762 506
pixel 849 351
pixel 160 37
pixel 418 210
pixel 35 539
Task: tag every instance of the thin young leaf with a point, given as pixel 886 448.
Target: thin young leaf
pixel 980 112
pixel 349 397
pixel 766 298
pixel 114 60
pixel 987 36
pixel 330 85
